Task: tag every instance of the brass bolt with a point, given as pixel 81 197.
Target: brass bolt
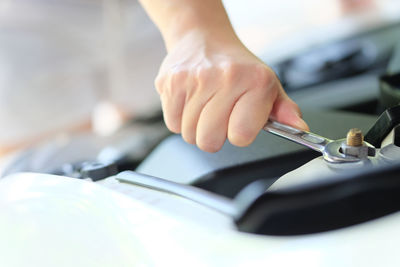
pixel 354 137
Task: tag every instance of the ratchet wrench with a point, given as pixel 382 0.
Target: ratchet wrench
pixel 330 149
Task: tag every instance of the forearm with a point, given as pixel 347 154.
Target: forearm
pixel 177 18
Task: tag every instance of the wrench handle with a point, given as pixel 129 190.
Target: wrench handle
pixel 301 137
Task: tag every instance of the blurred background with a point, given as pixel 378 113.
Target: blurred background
pixel 83 65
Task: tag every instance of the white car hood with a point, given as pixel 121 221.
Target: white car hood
pixel 49 220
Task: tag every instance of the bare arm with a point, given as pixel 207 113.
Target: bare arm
pixel 211 86
pixel 177 18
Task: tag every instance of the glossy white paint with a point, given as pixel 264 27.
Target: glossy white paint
pixel 56 221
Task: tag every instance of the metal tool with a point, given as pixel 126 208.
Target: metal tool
pixel 332 150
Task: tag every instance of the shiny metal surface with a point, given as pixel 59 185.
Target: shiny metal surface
pixel 331 153
pixel 330 149
pixel 304 138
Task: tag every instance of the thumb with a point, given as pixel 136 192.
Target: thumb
pixel 286 111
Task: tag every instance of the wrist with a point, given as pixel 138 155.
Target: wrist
pixel 189 23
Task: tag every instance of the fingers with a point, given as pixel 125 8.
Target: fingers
pixel 213 122
pixel 286 111
pixel 209 104
pixel 172 109
pixel 249 115
pixel 208 117
pixel 193 108
pixel 172 94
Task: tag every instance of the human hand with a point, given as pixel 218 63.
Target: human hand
pixel 214 89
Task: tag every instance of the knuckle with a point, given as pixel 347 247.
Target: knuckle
pixel 178 77
pixel 231 70
pixel 173 126
pixel 188 137
pixel 172 120
pixel 208 145
pixel 263 77
pixel 229 66
pixel 203 73
pixel 175 87
pixel 159 84
pixel 176 92
pixel 241 137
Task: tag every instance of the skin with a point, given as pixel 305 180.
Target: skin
pixel 211 86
